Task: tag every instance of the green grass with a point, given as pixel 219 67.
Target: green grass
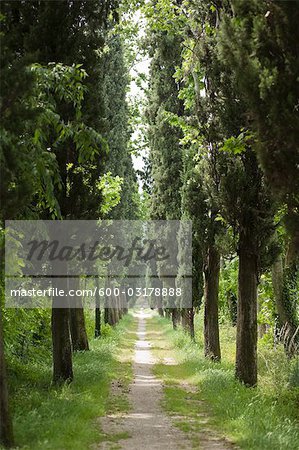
pixel 262 418
pixel 65 418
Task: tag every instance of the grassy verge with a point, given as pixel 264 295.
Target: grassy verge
pixel 64 418
pixel 261 418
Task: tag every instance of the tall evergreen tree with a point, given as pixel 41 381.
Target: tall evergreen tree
pixel 119 161
pixel 165 150
pixel 69 32
pixel 117 133
pixel 164 142
pixel 194 207
pixel 202 127
pixel 234 181
pixel 259 48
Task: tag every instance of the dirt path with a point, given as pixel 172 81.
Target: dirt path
pixel 147 425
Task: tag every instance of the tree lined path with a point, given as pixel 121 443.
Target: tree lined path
pixel 146 424
pixel 155 112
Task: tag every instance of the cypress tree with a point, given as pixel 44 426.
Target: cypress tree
pixel 68 32
pixel 117 130
pixel 235 186
pixel 259 47
pixel 165 155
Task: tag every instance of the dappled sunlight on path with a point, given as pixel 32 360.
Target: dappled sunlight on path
pixel 147 426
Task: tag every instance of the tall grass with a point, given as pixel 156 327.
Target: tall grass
pixel 65 418
pixel 259 418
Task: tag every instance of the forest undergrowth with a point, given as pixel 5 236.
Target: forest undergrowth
pixel 65 417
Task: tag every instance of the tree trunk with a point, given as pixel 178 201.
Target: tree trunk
pixel 62 349
pixel 61 339
pixel 246 355
pixel 124 304
pixel 119 307
pixel 6 429
pixel 261 327
pixel 115 314
pixel 111 313
pixel 184 313
pixel 284 281
pixel 175 317
pixel 106 315
pixel 188 321
pixel 78 329
pixel 97 328
pixel 110 316
pixel 277 282
pixel 290 328
pixel 211 322
pixel 6 433
pixel 173 304
pixel 160 306
pixel 77 321
pixel 161 312
pixel 191 323
pixel 60 319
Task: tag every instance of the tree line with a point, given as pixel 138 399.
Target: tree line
pixel 222 114
pixel 65 147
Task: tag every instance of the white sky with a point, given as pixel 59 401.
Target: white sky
pixel 136 93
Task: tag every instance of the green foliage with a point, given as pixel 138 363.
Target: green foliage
pixel 164 16
pixel 106 330
pixel 67 145
pixel 27 337
pixel 64 81
pixel 258 47
pixel 111 188
pixel 266 313
pixel 165 155
pixel 57 83
pixel 144 206
pixel 237 146
pixel 38 144
pixel 228 290
pixel 223 88
pixel 117 114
